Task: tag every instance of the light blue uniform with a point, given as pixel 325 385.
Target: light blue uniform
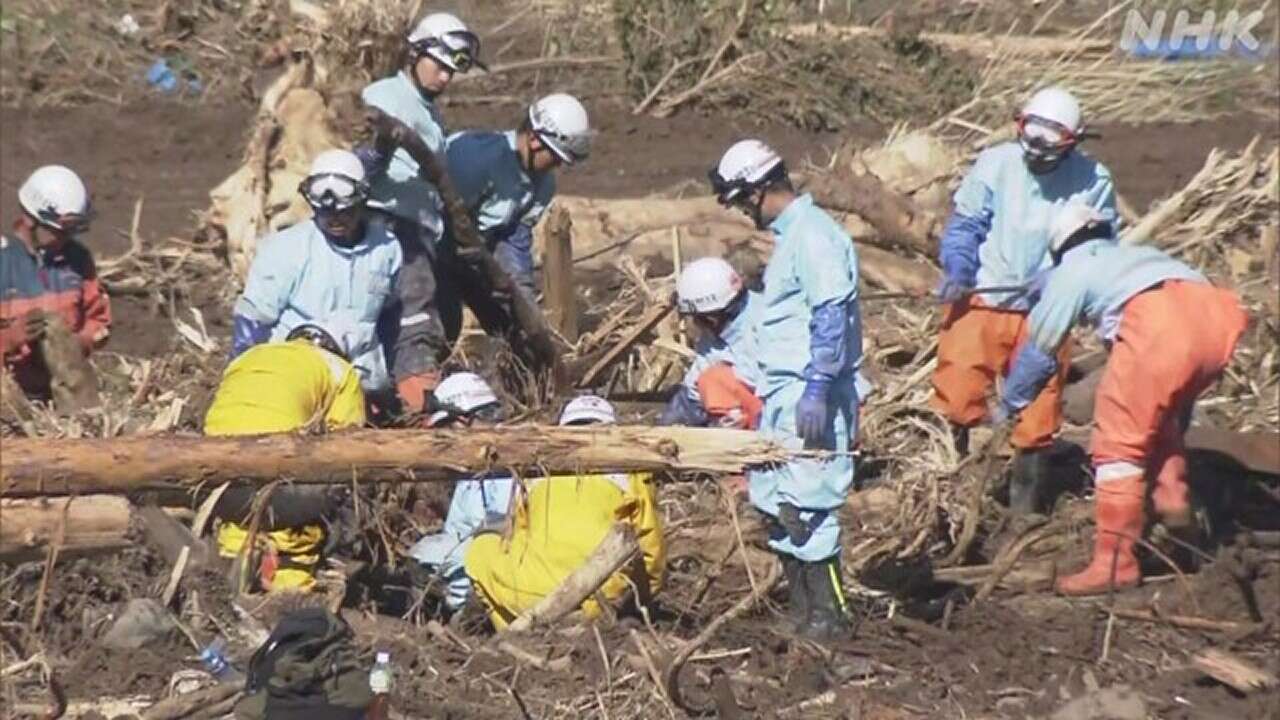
pixel 1093 284
pixel 400 190
pixel 477 504
pixel 813 264
pixel 999 232
pixel 736 345
pixel 299 277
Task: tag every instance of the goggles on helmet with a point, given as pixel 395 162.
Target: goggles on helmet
pixel 333 192
pixel 459 56
pixel 444 414
pixel 1044 138
pixel 730 192
pixel 67 223
pixel 318 337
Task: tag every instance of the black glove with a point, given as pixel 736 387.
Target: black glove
pixel 798 530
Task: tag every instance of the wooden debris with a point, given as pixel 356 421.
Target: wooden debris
pixel 899 222
pixel 614 551
pixel 646 324
pixel 35 467
pixel 559 294
pixel 93 523
pixel 74 382
pixel 172 539
pixel 182 706
pixel 1187 622
pixel 1234 671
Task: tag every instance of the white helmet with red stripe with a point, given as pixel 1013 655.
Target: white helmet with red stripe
pixel 56 198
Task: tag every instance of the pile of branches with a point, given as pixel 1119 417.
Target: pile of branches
pixel 735 55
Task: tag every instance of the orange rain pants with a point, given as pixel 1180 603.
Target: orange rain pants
pixel 1174 342
pixel 977 343
pixel 725 396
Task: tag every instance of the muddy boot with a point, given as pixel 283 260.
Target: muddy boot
pixel 960 437
pixel 828 615
pixel 1028 481
pixel 798 595
pixel 1119 523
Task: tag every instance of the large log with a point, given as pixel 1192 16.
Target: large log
pixel 30 468
pixel 91 523
pixel 898 221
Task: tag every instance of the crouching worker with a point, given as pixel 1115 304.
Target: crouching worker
pixel 274 388
pixel 463 399
pixel 557 522
pixel 1170 334
pixel 720 387
pixel 46 271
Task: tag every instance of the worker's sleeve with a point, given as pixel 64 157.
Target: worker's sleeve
pixel 828 342
pixel 1061 302
pixel 513 249
pixel 1102 197
pixel 375 156
pixel 544 191
pixel 468 165
pixel 271 282
pixel 96 307
pixel 968 225
pixel 641 511
pixel 683 409
pixel 347 408
pixel 1032 369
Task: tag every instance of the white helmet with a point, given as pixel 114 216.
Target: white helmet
pixel 746 165
pixel 589 410
pixel 56 198
pixel 1070 220
pixel 336 181
pixel 447 40
pixel 461 392
pixel 561 123
pixel 707 285
pixel 1049 125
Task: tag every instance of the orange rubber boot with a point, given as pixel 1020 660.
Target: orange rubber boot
pixel 1119 523
pixel 1171 497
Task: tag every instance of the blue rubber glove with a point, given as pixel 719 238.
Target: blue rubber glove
pixel 246 333
pixel 812 412
pixel 953 290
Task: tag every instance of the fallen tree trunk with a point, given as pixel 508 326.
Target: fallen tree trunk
pixel 898 221
pixel 985 46
pixel 40 467
pixel 92 523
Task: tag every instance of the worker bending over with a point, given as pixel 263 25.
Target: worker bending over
pixel 1170 334
pixel 45 271
pixel 809 349
pixel 720 387
pixel 464 399
pixel 507 179
pixel 438 47
pixel 339 268
pixel 554 525
pixel 274 388
pixel 998 236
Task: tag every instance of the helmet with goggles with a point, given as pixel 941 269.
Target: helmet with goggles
pixel 55 197
pixel 560 121
pixel 447 40
pixel 336 182
pixel 462 395
pixel 320 337
pixel 746 166
pixel 1049 126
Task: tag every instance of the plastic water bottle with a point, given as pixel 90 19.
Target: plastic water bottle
pixel 380 682
pixel 215 661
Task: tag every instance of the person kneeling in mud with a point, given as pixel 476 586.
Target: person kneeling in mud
pixel 275 388
pixel 554 525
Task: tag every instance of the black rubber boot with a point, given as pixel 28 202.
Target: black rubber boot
pixel 828 616
pixel 1028 482
pixel 798 595
pixel 960 437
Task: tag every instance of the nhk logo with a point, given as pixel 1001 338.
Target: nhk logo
pixel 1233 31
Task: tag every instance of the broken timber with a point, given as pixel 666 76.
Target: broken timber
pixel 38 467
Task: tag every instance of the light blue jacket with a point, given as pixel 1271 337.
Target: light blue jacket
pixel 736 345
pixel 478 503
pixel 813 264
pixel 486 170
pixel 298 276
pixel 400 190
pixel 998 233
pixel 1092 285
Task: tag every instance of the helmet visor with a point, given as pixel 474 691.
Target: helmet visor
pixel 333 192
pixel 67 223
pixel 1043 138
pixel 727 192
pixel 459 51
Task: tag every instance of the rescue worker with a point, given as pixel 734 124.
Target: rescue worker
pixel 554 525
pixel 46 271
pixel 439 47
pixel 339 267
pixel 998 236
pixel 719 388
pixel 1170 334
pixel 281 387
pixel 464 399
pixel 507 179
pixel 810 347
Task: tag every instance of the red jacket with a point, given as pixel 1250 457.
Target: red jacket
pixel 60 281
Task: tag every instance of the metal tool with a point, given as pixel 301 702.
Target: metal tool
pixel 920 294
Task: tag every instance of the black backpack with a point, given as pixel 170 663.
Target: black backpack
pixel 308 669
